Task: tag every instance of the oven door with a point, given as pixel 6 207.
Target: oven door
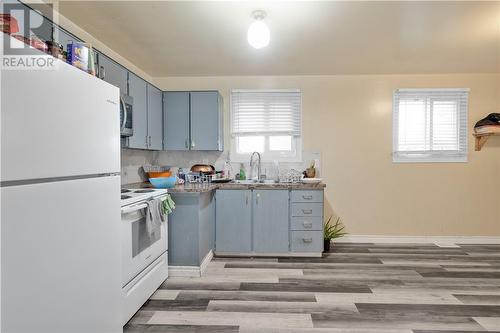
pixel 139 247
pixel 126 115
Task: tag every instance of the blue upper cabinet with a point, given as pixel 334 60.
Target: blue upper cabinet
pixel 193 120
pixel 147 115
pixel 155 118
pixel 176 120
pixel 206 115
pixel 138 91
pixel 113 73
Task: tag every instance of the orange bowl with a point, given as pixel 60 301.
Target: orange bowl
pixel 159 174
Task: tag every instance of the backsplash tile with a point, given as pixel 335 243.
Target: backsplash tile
pixel 132 160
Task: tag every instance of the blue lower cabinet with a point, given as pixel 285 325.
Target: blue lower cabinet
pixel 233 221
pixel 191 228
pixel 270 221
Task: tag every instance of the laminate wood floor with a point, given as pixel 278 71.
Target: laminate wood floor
pixel 377 288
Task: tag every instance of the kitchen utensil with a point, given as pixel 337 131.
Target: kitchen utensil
pixel 221 180
pixel 155 168
pixel 161 174
pixel 204 168
pixel 163 182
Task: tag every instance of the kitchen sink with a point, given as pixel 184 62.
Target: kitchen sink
pixel 254 182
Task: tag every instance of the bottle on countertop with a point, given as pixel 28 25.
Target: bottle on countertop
pixel 227 169
pixel 243 175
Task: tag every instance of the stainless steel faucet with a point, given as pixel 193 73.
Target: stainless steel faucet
pixel 252 166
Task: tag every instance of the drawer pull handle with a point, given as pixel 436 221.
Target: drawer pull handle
pixel 307 211
pixel 307 197
pixel 307 224
pixel 307 240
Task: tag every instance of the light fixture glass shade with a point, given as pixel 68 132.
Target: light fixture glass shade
pixel 258 34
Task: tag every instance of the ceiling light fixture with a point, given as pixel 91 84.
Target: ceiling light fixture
pixel 258 33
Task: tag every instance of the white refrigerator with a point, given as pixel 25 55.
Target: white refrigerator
pixel 60 202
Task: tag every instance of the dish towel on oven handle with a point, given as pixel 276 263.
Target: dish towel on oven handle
pixel 154 216
pixel 167 205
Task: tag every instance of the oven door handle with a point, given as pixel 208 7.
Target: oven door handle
pixel 130 209
pixel 133 208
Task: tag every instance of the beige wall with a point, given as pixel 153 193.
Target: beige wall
pixel 349 120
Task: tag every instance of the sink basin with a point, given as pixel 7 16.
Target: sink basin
pixel 245 182
pixel 254 182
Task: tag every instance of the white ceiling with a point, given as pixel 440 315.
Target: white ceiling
pixel 307 38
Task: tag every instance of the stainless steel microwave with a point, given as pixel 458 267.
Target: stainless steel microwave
pixel 126 117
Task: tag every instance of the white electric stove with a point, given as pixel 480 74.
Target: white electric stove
pixel 144 249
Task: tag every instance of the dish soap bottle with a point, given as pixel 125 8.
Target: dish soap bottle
pixel 243 175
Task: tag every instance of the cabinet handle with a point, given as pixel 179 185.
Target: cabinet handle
pixel 257 196
pixel 146 141
pixel 149 142
pixel 192 144
pixel 186 143
pixel 307 197
pixel 307 211
pixel 307 240
pixel 307 224
pixel 246 199
pixel 102 73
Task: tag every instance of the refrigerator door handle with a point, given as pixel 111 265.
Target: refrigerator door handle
pixel 122 103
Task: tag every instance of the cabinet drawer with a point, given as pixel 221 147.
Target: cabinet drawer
pixel 307 209
pixel 307 223
pixel 307 241
pixel 307 196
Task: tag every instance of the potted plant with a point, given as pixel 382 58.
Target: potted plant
pixel 332 231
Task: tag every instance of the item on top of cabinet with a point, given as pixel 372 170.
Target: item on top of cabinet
pixel 311 180
pixel 55 49
pixel 8 24
pixel 78 55
pixel 203 168
pixel 23 39
pixel 91 67
pixel 163 182
pixel 38 44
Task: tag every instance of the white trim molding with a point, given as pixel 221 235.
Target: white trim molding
pixel 191 271
pixel 444 241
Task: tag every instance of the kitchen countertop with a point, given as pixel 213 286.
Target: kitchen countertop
pixel 199 188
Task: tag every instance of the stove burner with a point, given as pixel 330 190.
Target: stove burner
pixel 126 197
pixel 124 190
pixel 144 191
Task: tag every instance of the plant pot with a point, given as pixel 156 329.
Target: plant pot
pixel 326 245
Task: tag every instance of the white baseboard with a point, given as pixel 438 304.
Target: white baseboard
pixel 270 254
pixel 445 241
pixel 191 271
pixel 206 261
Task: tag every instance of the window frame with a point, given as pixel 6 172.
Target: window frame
pixel 267 156
pixel 434 156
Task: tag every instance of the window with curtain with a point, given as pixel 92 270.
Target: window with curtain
pixel 266 121
pixel 430 125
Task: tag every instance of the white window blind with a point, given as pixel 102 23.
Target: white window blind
pixel 430 125
pixel 266 112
